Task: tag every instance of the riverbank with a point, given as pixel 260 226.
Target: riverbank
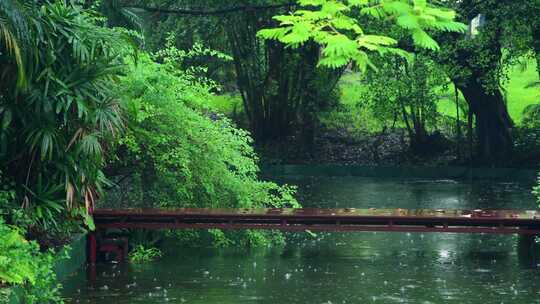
pixel 391 148
pixel 410 172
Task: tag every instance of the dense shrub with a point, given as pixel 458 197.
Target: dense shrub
pixel 182 156
pixel 21 263
pixel 17 264
pixel 176 153
pixel 57 116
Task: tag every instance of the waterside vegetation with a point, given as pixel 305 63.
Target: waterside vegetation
pixel 148 104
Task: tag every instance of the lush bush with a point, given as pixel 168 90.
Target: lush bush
pixel 177 153
pixel 185 157
pixel 22 263
pixel 17 264
pixel 57 116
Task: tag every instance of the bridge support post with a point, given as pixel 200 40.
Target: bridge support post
pixel 528 250
pixel 92 248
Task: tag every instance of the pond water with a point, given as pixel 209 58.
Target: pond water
pixel 343 267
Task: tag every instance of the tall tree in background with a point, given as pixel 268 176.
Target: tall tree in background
pixel 281 88
pixel 405 91
pixel 532 13
pixel 357 31
pixel 478 63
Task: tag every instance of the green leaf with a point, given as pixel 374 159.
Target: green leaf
pixel 357 3
pixel 408 22
pixel 275 33
pixel 423 40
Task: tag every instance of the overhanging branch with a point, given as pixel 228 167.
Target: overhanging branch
pixel 202 12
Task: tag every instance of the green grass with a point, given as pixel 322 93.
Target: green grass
pixel 226 103
pixel 518 95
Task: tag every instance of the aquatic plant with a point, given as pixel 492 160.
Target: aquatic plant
pixel 142 254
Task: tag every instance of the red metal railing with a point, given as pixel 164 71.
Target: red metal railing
pixel 349 219
pixel 523 222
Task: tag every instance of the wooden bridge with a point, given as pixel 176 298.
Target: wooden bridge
pixel 522 222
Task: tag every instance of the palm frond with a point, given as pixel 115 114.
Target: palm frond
pixel 15 40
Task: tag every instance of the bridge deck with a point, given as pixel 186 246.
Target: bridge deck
pixel 349 219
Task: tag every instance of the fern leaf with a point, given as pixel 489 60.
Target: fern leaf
pixel 422 39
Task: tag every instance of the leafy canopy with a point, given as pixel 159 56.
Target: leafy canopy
pixel 337 25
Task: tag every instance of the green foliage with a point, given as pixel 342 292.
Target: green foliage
pixel 191 157
pixel 46 289
pixel 180 155
pixel 336 25
pixel 406 92
pixel 186 62
pixel 228 104
pixel 22 263
pixel 350 115
pixel 15 22
pixel 55 130
pixel 17 265
pixel 141 254
pixel 531 116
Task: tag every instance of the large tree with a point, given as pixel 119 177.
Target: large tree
pixel 478 62
pixel 281 88
pixel 405 91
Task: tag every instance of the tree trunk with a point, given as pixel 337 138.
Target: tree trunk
pixel 475 68
pixel 263 76
pixel 536 47
pixel 281 88
pixel 458 126
pixel 493 123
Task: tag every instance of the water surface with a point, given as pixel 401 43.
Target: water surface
pixel 343 267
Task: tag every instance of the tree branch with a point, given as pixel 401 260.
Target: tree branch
pixel 202 12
